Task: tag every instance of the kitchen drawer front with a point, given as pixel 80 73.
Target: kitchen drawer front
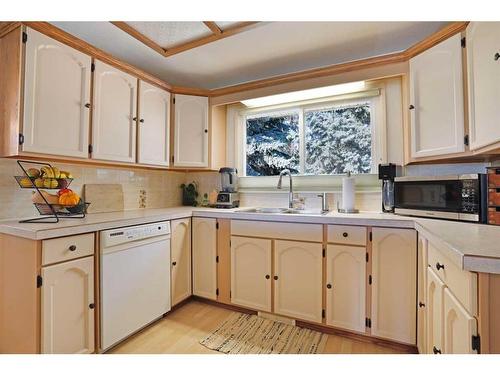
pixel 347 234
pixel 463 284
pixel 66 248
pixel 286 231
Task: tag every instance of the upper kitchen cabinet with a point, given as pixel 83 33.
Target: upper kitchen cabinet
pixel 483 59
pixel 190 131
pixel 154 125
pixel 437 101
pixel 114 114
pixel 56 98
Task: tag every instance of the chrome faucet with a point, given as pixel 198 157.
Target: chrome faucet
pixel 290 194
pixel 324 203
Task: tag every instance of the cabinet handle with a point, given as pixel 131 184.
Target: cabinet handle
pixel 72 248
pixel 87 105
pixel 91 306
pixel 268 277
pixel 497 56
pixel 411 106
pixel 420 304
pixel 439 266
pixel 345 234
pixel 174 263
pixel 436 350
pixel 275 277
pixel 141 121
pixel 329 286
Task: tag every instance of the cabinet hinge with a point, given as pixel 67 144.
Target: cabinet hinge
pixel 324 252
pixel 39 281
pixel 91 149
pixel 173 100
pixel 21 138
pixel 370 236
pixel 229 243
pixel 370 280
pixel 217 259
pixel 25 37
pixel 172 158
pixel 217 291
pixel 230 294
pixel 368 322
pixel 462 42
pixel 466 140
pixel 217 225
pixel 367 257
pixel 92 67
pixel 476 343
pixel 323 313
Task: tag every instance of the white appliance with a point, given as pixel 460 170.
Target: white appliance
pixel 135 279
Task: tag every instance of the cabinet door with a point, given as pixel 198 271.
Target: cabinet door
pixel 346 287
pixel 298 274
pixel 394 275
pixel 56 92
pixel 154 125
pixel 483 47
pixel 114 121
pixel 204 254
pixel 459 326
pixel 421 294
pixel 191 131
pixel 181 260
pixel 67 313
pixel 435 289
pixel 251 273
pixel 436 95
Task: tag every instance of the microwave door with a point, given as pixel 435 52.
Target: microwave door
pixel 429 195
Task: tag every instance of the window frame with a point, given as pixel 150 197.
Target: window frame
pixel 377 125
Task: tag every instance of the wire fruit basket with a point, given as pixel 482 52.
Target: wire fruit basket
pixel 50 211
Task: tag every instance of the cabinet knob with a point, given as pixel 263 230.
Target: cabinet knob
pixel 329 286
pixel 497 56
pixel 275 277
pixel 206 130
pixel 134 119
pixel 91 306
pixel 174 263
pixel 72 248
pixel 436 350
pixel 439 266
pixel 420 304
pixel 345 234
pixel 411 106
pixel 87 105
pixel 141 121
pixel 268 277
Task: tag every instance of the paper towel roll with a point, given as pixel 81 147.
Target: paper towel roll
pixel 348 187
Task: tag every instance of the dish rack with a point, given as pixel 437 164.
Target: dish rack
pixel 50 212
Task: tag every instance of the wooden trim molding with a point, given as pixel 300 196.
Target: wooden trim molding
pixel 213 27
pixel 139 36
pixel 7 27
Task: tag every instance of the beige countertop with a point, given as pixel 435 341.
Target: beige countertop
pixel 473 247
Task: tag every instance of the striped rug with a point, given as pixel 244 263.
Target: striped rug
pixel 251 334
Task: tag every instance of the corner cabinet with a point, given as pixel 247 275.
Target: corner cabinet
pixel 181 260
pixel 204 257
pixel 56 98
pixel 154 125
pixel 394 275
pixel 483 58
pixel 190 131
pixel 114 114
pixel 437 100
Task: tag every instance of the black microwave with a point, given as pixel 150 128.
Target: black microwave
pixel 457 197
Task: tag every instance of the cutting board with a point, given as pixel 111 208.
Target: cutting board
pixel 103 197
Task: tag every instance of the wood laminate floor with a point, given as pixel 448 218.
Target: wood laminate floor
pixel 181 331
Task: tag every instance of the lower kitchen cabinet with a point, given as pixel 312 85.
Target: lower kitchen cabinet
pixel 204 251
pixel 346 287
pixel 394 275
pixel 181 260
pixel 421 294
pixel 459 326
pixel 67 310
pixel 435 290
pixel 251 272
pixel 298 279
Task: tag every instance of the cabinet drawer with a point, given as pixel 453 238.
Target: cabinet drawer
pixel 494 197
pixel 66 248
pixel 286 231
pixel 463 284
pixel 346 234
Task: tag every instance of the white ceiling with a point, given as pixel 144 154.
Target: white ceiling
pixel 268 49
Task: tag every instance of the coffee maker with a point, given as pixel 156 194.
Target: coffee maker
pixel 387 173
pixel 228 196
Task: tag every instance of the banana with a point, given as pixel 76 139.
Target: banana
pixel 56 172
pixel 47 172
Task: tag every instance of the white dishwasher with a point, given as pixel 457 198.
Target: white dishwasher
pixel 135 279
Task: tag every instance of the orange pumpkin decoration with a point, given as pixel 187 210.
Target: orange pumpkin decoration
pixel 69 198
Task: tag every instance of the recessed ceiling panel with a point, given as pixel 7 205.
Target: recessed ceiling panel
pixel 169 34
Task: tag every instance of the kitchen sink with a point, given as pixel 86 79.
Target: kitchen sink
pixel 274 210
